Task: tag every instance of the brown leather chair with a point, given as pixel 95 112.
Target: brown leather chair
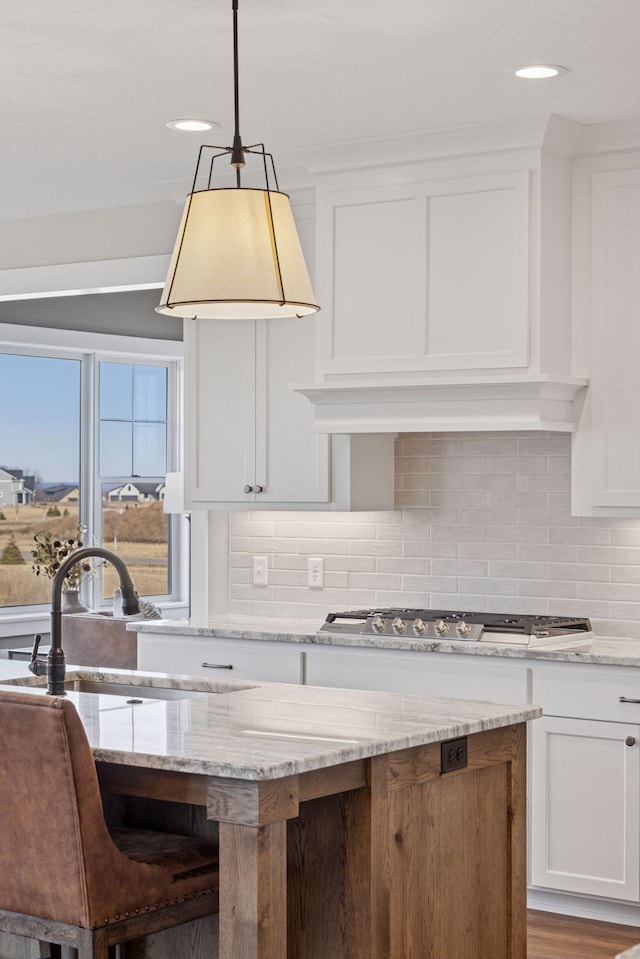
pixel 65 878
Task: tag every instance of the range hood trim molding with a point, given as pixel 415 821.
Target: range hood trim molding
pixel 390 406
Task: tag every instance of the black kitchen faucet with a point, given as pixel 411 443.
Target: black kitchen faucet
pixel 54 665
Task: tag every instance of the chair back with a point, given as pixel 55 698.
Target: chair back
pixel 57 859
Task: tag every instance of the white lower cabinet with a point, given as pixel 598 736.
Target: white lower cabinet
pixel 585 776
pixel 584 764
pixel 451 676
pixel 584 753
pixel 220 659
pixel 586 807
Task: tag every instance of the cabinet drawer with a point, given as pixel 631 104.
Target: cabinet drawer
pixel 588 693
pixel 460 677
pixel 230 660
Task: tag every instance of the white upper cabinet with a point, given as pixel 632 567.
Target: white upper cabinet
pixel 247 435
pixel 606 476
pixel 431 275
pixel 444 275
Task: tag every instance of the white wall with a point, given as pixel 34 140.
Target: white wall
pixel 482 522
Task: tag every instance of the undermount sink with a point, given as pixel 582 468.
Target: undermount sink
pixel 133 692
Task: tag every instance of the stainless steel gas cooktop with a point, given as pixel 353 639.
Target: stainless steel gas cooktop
pixel 447 625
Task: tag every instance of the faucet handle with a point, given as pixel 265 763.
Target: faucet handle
pixel 37 639
pixel 37 666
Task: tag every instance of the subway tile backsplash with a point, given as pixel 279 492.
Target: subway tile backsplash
pixel 482 521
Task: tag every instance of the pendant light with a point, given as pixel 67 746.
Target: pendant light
pixel 237 255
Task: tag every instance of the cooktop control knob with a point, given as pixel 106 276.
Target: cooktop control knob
pixel 377 624
pixel 420 626
pixel 441 627
pixel 463 629
pixel 399 625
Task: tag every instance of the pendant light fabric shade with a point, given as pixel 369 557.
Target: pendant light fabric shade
pixel 237 256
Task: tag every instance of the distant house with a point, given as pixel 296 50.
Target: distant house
pixel 137 493
pixel 16 489
pixel 65 494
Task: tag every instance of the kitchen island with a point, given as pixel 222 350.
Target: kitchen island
pixel 352 825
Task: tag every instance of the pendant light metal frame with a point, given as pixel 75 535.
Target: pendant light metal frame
pixel 237 152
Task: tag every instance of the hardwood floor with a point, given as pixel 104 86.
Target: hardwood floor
pixel 550 936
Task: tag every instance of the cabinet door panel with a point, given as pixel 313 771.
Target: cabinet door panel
pixel 374 295
pixel 292 463
pixel 615 393
pixel 477 310
pixel 585 807
pixel 219 410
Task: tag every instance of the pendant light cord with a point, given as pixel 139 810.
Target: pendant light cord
pixel 237 152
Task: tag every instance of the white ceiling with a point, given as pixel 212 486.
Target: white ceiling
pixel 88 85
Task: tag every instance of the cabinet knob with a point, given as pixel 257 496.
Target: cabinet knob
pixel 258 489
pixel 248 489
pixel 630 741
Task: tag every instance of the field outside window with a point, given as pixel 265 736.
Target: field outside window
pixel 48 453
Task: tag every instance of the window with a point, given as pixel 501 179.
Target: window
pixel 132 458
pixel 86 439
pixel 39 465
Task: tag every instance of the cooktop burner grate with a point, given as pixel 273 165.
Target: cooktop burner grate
pixel 492 622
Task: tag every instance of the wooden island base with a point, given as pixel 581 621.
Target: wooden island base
pixel 381 858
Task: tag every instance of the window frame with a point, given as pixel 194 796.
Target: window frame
pixel 91 349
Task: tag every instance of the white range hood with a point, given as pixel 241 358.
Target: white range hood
pixel 444 276
pixel 525 402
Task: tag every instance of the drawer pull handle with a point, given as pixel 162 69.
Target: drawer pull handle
pixel 217 666
pixel 623 699
pixel 630 741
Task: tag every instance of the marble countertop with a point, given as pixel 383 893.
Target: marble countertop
pixel 258 731
pixel 604 650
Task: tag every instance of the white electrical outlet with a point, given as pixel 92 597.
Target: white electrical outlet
pixel 260 571
pixel 315 573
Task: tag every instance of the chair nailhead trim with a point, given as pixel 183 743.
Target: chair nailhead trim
pixel 156 905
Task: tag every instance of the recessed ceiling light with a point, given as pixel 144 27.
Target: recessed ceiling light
pixel 192 126
pixel 538 71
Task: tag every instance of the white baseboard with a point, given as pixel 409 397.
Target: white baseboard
pixel 625 913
